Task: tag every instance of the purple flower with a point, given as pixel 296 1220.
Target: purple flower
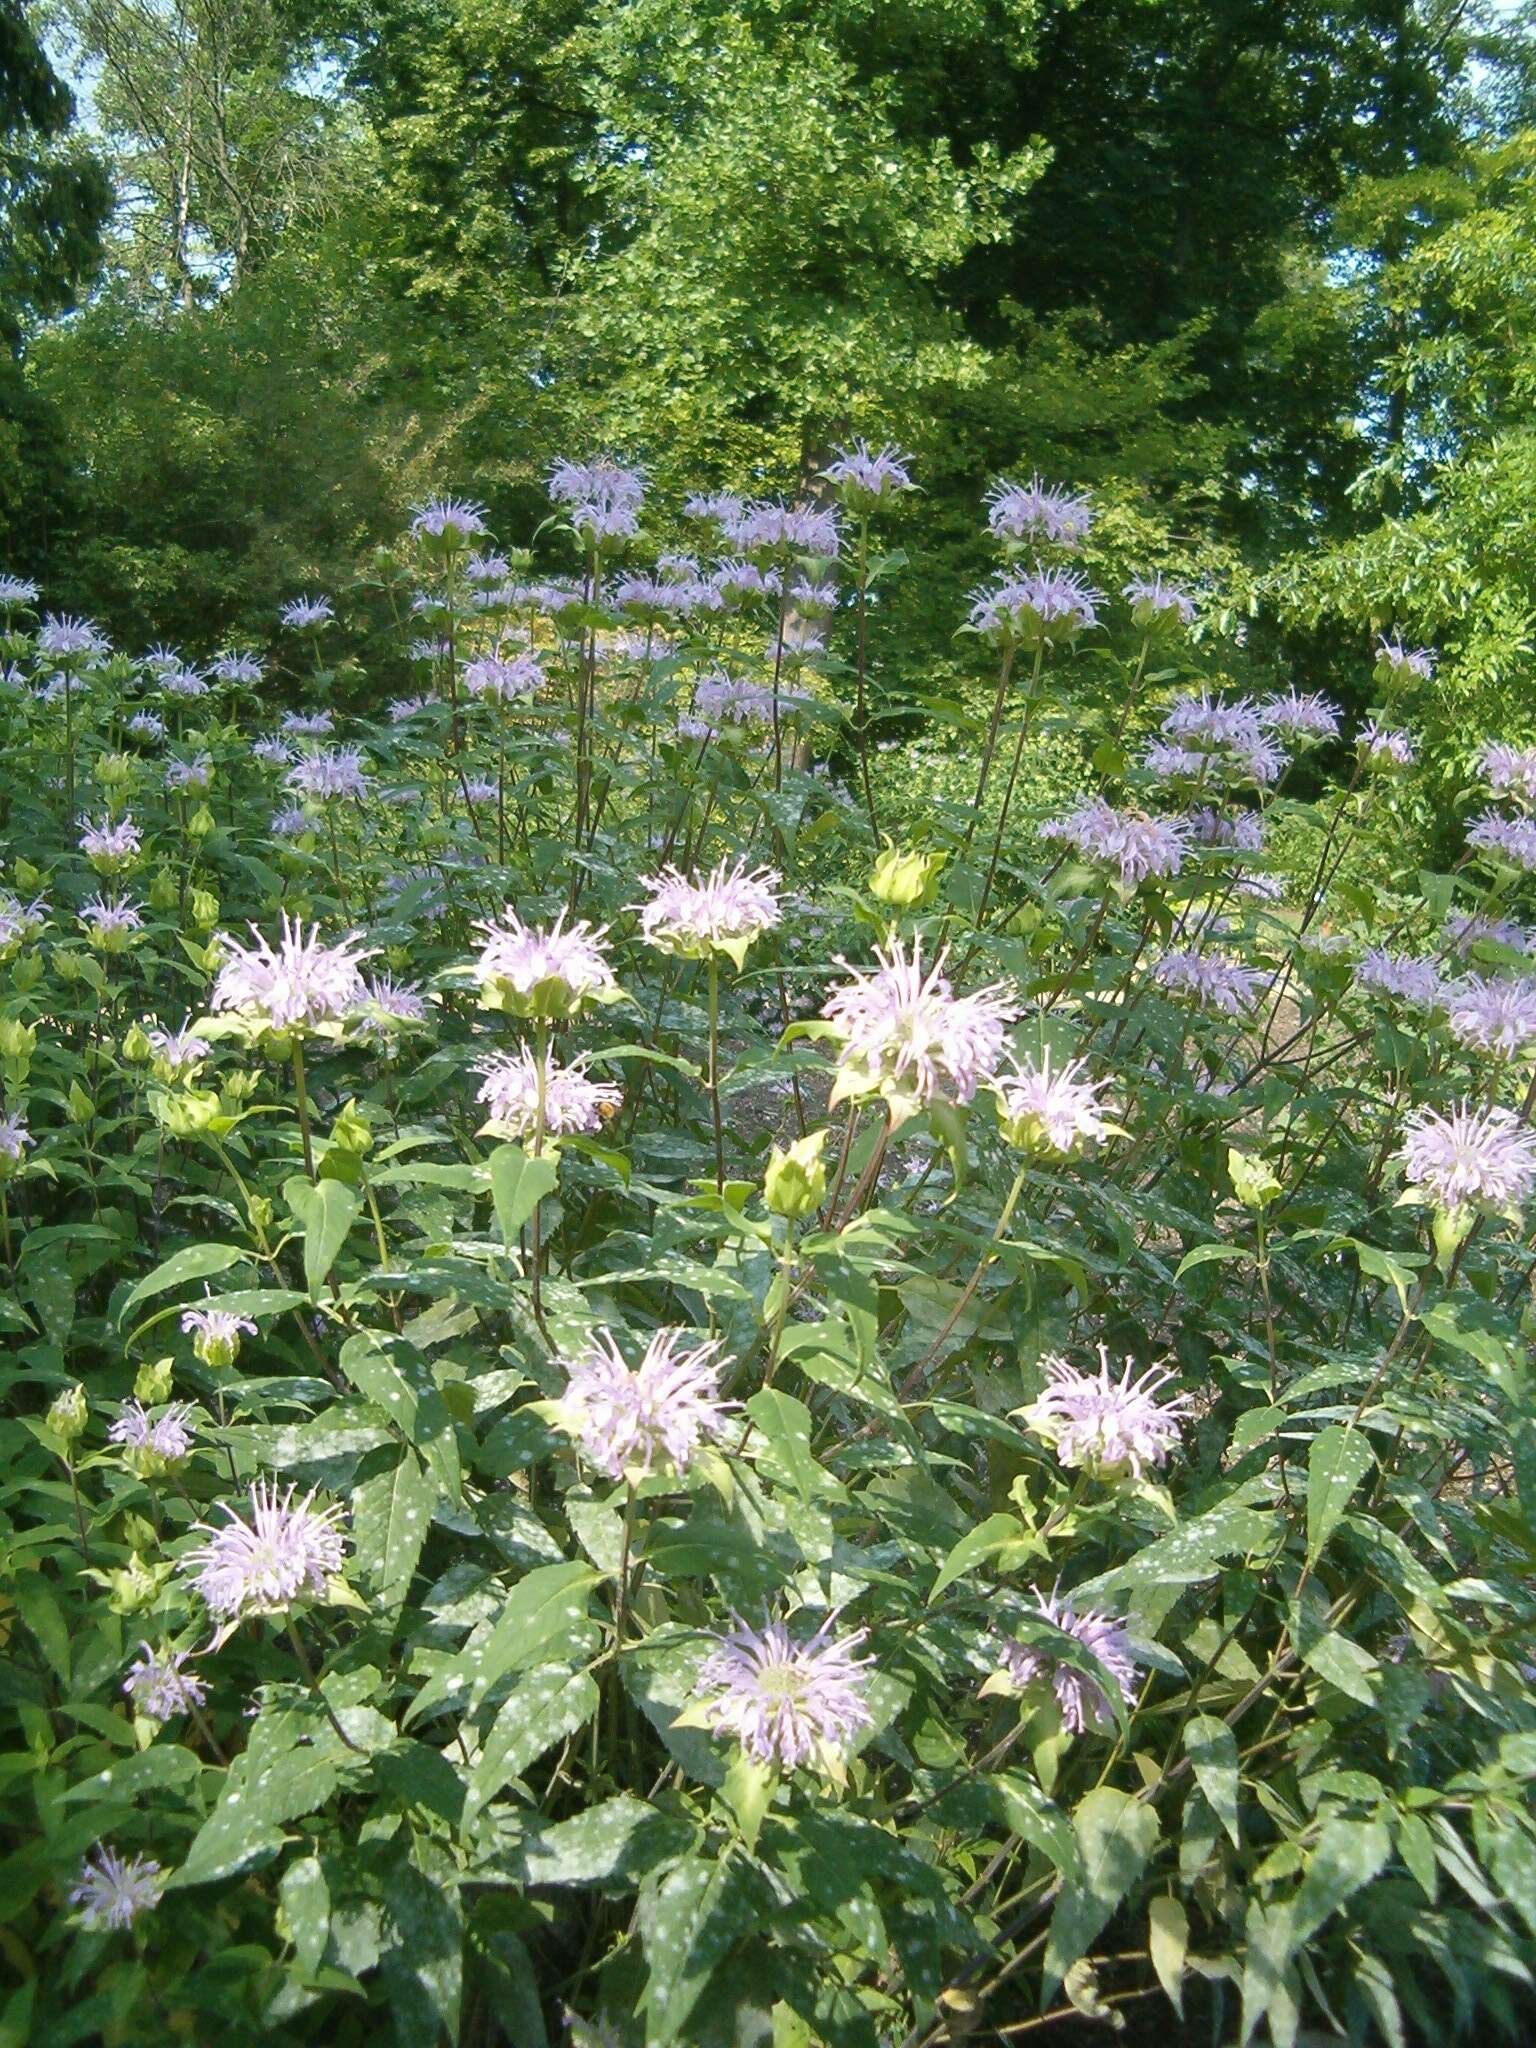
pixel 603 498
pixel 724 912
pixel 1386 746
pixel 162 1687
pixel 491 676
pixel 177 1051
pixel 909 1038
pixel 449 518
pixel 1463 932
pixel 552 972
pixel 304 612
pixel 216 1334
pixel 429 650
pixel 17 590
pixel 300 982
pixel 866 474
pixel 1302 713
pixel 484 568
pixel 741 578
pixel 237 667
pixel 652 1418
pixel 1038 511
pixel 481 789
pixel 276 753
pixel 1211 979
pixel 290 823
pixel 331 773
pixel 1042 605
pixel 284 1552
pixel 1041 1111
pixel 394 1002
pixel 63 637
pixel 787 1702
pixel 1513 839
pixel 168 1438
pixel 571 1101
pixel 111 922
pixel 147 725
pixel 768 525
pixel 1395 663
pixel 1473 1157
pixel 14 1137
pixel 1243 831
pixel 1104 1425
pixel 402 709
pixel 1509 770
pixel 1497 1015
pixel 312 725
pixel 1152 601
pixel 195 774
pixel 1138 846
pixel 721 506
pixel 161 661
pixel 1082 1700
pixel 185 683
pixel 109 846
pixel 1409 978
pixel 733 700
pixel 111 1893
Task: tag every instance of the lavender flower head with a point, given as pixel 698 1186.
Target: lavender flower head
pixel 572 1102
pixel 549 972
pixel 1303 714
pixel 491 676
pixel 305 613
pixel 274 752
pixel 1410 979
pixel 769 525
pixel 1211 979
pixel 734 700
pixel 1083 1701
pixel 1397 664
pixel 722 913
pixel 1386 746
pixel 1512 840
pixel 62 638
pixel 177 1052
pixel 1038 511
pixel 1241 831
pixel 908 1038
pixel 1495 1015
pixel 1473 1158
pixel 1509 771
pixel 110 922
pixel 195 774
pixel 332 773
pixel 311 725
pixel 147 725
pixel 291 822
pixel 185 683
pixel 286 1551
pixel 1464 931
pixel 1103 1425
pixel 787 1702
pixel 603 497
pixel 216 1334
pixel 163 1687
pixel 300 984
pixel 167 1439
pixel 1041 606
pixel 16 591
pixel 1154 602
pixel 1041 1111
pixel 448 519
pixel 1138 846
pixel 14 1139
pixel 238 667
pixel 651 1419
pixel 402 709
pixel 391 1002
pixel 111 1893
pixel 866 475
pixel 110 848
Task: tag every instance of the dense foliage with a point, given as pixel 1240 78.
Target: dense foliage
pixel 640 1416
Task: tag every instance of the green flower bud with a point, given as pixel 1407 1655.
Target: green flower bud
pixel 27 876
pixel 186 1112
pixel 905 881
pixel 795 1183
pixel 28 972
pixel 152 1383
pixel 205 909
pixel 1252 1181
pixel 116 771
pixel 163 891
pixel 201 823
pixel 18 1041
pixel 137 1050
pixel 66 1415
pixel 350 1132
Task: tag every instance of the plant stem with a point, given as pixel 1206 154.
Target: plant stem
pixel 714 1069
pixel 304 1132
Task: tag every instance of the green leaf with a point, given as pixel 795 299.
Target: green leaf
pixel 545 1608
pixel 548 1704
pixel 306 1903
pixel 392 1374
pixel 325 1212
pixel 390 1516
pixel 424 1964
pixel 1168 1944
pixel 519 1182
pixel 984 1541
pixel 1188 1554
pixel 613 1843
pixel 688 1922
pixel 1336 1463
pixel 1205 1254
pixel 1348 1854
pixel 194 1262
pixel 1116 1835
pixel 1344 1664
pixel 785 1426
pixel 1212 1751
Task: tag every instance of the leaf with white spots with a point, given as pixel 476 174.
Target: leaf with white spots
pixel 391 1514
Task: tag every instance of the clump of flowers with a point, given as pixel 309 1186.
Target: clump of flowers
pixel 152 1445
pixel 331 773
pixel 602 497
pixel 307 614
pixel 1139 846
pixel 161 1687
pixel 299 985
pixel 1304 715
pixel 549 973
pixel 572 1102
pixel 653 1418
pixel 1386 746
pixel 721 913
pixel 1041 607
pixel 111 848
pixel 1497 1015
pixel 909 1039
pixel 284 1552
pixel 1081 1695
pixel 868 476
pixel 788 1703
pixel 1470 1159
pixel 1510 840
pixel 1038 511
pixel 1214 980
pixel 1155 603
pixel 112 1892
pixel 1042 1111
pixel 1397 664
pixel 1106 1425
pixel 111 923
pixel 216 1334
pixel 1410 978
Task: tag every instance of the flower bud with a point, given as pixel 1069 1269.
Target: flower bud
pixel 66 1415
pixel 27 876
pixel 116 771
pixel 18 1041
pixel 1252 1181
pixel 205 908
pixel 137 1050
pixel 152 1383
pixel 28 972
pixel 201 823
pixel 163 892
pixel 795 1184
pixel 905 881
pixel 186 1112
pixel 350 1132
